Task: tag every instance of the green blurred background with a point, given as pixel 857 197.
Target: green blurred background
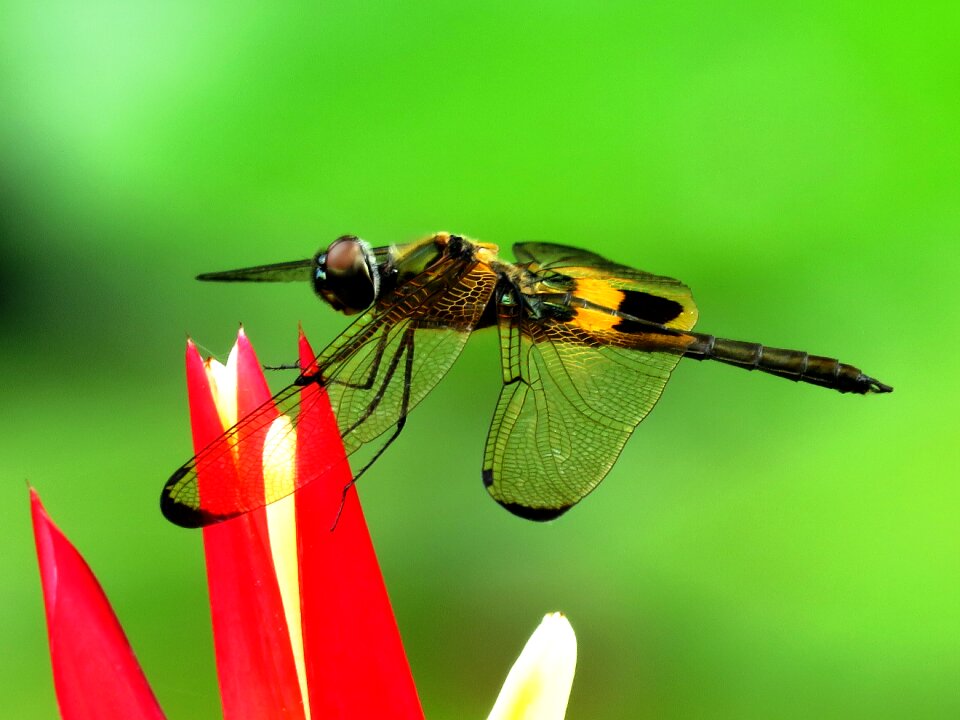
pixel 761 550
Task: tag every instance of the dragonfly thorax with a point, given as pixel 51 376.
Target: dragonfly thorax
pixel 346 275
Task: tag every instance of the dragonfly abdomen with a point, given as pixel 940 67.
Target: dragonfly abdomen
pixel 795 365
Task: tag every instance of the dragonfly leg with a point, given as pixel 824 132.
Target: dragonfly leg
pixel 283 366
pixel 401 421
pixel 374 367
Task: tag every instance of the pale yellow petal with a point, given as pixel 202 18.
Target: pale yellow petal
pixel 280 442
pixel 539 682
pixel 223 387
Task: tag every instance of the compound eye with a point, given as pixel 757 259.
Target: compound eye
pixel 345 256
pixel 346 275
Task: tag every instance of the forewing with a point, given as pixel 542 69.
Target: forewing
pixel 293 271
pixel 568 405
pixel 550 256
pixel 375 373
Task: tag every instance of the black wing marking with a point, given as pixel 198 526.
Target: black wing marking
pixel 646 296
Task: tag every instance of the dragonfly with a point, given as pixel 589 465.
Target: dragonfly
pixel 586 347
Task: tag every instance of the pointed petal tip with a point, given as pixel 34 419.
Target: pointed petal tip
pixel 538 685
pixel 43 529
pixel 37 510
pixel 558 625
pixel 88 648
pixel 557 632
pixel 242 343
pixel 192 352
pixel 306 355
pixel 36 506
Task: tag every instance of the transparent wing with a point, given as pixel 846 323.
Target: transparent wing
pixel 579 263
pixel 293 271
pixel 574 391
pixel 550 255
pixel 375 373
pixel 573 262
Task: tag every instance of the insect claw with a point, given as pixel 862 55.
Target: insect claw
pixel 343 501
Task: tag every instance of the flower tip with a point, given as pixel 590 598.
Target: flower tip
pixel 35 503
pixel 192 351
pixel 43 528
pixel 88 649
pixel 538 685
pixel 557 623
pixel 242 344
pixel 555 635
pixel 37 510
pixel 306 355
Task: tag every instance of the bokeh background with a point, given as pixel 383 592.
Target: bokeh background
pixel 761 550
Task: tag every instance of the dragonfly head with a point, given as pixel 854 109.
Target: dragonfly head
pixel 346 275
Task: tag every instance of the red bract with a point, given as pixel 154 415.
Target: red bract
pixel 357 667
pixel 295 603
pixel 255 663
pixel 94 670
pixel 301 619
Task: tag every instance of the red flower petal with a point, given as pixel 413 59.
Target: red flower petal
pixel 355 663
pixel 255 663
pixel 95 672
